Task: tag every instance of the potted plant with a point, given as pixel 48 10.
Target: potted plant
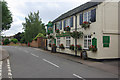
pixel 76 34
pixel 50 37
pixel 72 47
pixel 61 46
pixel 93 48
pixel 79 47
pixel 54 48
pixel 67 28
pixel 49 45
pixel 85 25
pixel 57 30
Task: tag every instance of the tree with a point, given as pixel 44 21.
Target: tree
pixel 18 36
pixel 6 16
pixel 6 42
pixel 14 40
pixel 32 26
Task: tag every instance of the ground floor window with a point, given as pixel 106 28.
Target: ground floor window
pixel 68 41
pixel 58 41
pixel 87 41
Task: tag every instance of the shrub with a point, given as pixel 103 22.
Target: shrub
pixel 14 40
pixel 93 48
pixel 67 28
pixel 85 25
pixel 72 47
pixel 78 47
pixel 49 45
pixel 76 34
pixel 61 46
pixel 57 30
pixel 6 42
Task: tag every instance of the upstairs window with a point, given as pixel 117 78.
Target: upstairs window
pixel 87 16
pixel 59 25
pixel 68 22
pixel 64 23
pixel 71 22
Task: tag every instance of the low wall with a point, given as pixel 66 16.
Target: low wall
pixel 34 44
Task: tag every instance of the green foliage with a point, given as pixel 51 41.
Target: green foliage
pixel 32 26
pixel 76 34
pixel 6 42
pixel 39 35
pixel 6 16
pixel 14 40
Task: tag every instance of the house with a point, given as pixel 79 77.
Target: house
pixel 102 32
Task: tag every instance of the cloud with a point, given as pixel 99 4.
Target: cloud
pixel 49 10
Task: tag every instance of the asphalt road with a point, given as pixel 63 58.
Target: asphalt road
pixel 27 62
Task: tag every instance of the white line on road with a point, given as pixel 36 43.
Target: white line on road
pixel 0 70
pixel 34 55
pixel 78 76
pixel 51 63
pixel 9 69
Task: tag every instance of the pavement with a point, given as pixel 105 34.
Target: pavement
pixel 111 66
pixel 3 54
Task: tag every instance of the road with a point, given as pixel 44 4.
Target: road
pixel 27 62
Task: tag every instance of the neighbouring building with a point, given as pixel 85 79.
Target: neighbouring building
pixel 103 31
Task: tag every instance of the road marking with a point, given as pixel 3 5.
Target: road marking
pixel 9 69
pixel 34 55
pixel 78 76
pixel 51 63
pixel 0 70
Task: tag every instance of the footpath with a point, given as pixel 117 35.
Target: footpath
pixel 111 66
pixel 3 54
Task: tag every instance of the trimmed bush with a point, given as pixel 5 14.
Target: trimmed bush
pixel 14 40
pixel 6 42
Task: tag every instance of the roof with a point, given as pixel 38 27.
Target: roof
pixel 77 10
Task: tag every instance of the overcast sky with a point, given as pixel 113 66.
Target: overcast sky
pixel 48 9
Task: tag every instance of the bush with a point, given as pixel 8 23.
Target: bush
pixel 61 46
pixel 14 40
pixel 6 42
pixel 72 47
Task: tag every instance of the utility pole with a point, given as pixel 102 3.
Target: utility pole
pixel 75 38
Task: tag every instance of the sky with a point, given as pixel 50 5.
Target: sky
pixel 48 9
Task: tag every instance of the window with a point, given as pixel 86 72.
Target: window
pixel 68 22
pixel 58 42
pixel 68 41
pixel 64 23
pixel 59 25
pixel 87 16
pixel 87 41
pixel 71 22
pixel 81 19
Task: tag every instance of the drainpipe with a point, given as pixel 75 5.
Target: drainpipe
pixel 75 38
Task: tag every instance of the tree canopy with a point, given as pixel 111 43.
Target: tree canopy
pixel 6 16
pixel 32 26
